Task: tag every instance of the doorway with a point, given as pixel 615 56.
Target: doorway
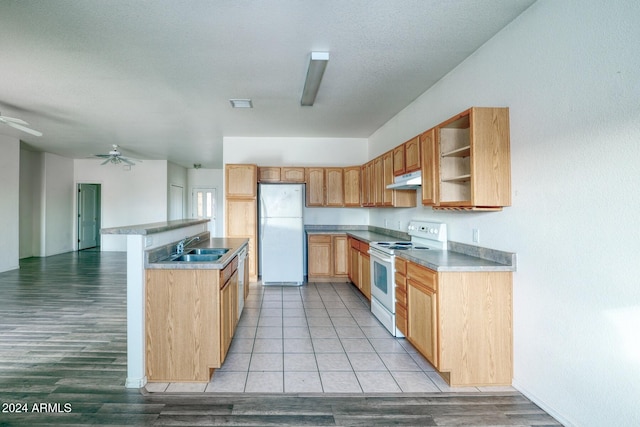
pixel 204 206
pixel 89 216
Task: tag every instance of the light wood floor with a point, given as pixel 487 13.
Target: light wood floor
pixel 63 352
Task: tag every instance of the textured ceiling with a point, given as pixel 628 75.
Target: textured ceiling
pixel 156 76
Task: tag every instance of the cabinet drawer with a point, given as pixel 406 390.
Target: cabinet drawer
pixel 401 319
pixel 228 271
pixel 364 247
pixel 401 282
pixel 401 266
pixel 355 244
pixel 423 276
pixel 320 238
pixel 401 296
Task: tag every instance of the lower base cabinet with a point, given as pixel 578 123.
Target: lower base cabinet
pixel 327 258
pixel 462 323
pixel 190 319
pixel 359 265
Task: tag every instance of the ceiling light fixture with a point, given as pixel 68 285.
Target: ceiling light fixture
pixel 317 64
pixel 241 103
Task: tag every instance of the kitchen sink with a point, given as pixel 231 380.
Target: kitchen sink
pixel 197 257
pixel 208 251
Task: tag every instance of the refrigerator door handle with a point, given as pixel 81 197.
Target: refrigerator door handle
pixel 263 210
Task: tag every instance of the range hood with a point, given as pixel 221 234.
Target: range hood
pixel 408 181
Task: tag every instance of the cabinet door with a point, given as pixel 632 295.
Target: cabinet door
pixel 268 174
pixel 422 320
pixel 398 160
pixel 387 171
pixel 352 186
pixel 340 255
pixel 354 267
pixel 225 320
pixel 334 187
pixel 365 274
pixel 319 255
pixel 288 174
pixel 430 165
pixel 314 177
pixel 378 177
pixel 241 180
pixel 412 155
pixel 241 222
pixel 364 184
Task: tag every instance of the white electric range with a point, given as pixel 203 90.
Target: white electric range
pixel 425 235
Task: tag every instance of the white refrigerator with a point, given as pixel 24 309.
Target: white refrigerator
pixel 281 234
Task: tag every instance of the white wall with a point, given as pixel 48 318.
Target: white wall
pixel 58 196
pixel 129 197
pixel 207 178
pixel 303 152
pixel 30 172
pixel 570 73
pixel 9 202
pixel 177 175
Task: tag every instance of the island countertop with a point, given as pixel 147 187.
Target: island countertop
pixel 159 258
pixel 154 227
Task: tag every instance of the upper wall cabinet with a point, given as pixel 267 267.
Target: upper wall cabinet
pixel 475 160
pixel 241 180
pixel 412 155
pixel 352 185
pixel 280 174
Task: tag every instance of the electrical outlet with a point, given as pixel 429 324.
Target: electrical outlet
pixel 386 223
pixel 476 235
pixel 399 225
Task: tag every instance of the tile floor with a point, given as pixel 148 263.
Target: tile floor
pixel 317 338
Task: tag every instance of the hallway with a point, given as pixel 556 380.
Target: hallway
pixel 63 341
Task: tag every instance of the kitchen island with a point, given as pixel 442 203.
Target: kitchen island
pixel 194 296
pixel 142 237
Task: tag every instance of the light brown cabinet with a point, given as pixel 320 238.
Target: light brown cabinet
pixel 474 156
pixel 228 313
pixel 359 264
pixel 401 295
pixel 327 257
pixel 430 167
pixel 334 187
pixel 280 174
pixel 462 323
pixel 352 186
pixel 412 159
pixel 242 209
pixel 241 180
pixel 314 177
pixel 398 160
pixel 190 319
pixel 292 174
pixel 325 187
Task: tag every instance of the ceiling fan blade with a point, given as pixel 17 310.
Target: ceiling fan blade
pixel 127 161
pixel 105 162
pixel 24 129
pixel 13 119
pixel 102 156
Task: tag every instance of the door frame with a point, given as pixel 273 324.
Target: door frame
pixel 79 214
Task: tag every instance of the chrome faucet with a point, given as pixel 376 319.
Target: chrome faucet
pixel 185 242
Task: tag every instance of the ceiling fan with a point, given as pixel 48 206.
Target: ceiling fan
pixel 116 157
pixel 18 124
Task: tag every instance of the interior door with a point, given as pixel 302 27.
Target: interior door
pixel 88 216
pixel 176 197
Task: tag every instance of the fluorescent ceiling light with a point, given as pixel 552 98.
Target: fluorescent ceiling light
pixel 241 103
pixel 317 64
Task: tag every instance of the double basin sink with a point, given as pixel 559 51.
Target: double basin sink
pixel 199 255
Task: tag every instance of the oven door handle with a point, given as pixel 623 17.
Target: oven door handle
pixel 377 256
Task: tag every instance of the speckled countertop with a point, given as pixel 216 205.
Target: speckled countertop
pixel 152 228
pixel 458 257
pixel 159 258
